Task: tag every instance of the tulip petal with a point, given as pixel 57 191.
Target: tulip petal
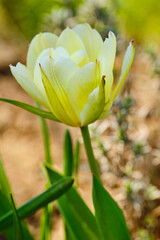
pixel 53 76
pixel 91 39
pixel 107 57
pixel 94 106
pixel 81 83
pixel 55 54
pixel 24 78
pixel 127 61
pixel 70 41
pixel 38 44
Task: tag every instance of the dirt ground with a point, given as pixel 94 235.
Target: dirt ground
pixel 21 143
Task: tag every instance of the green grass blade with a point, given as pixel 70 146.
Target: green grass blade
pixel 18 235
pixel 29 208
pixel 76 161
pixel 4 184
pixel 46 139
pixel 80 221
pixel 31 109
pixel 108 214
pixel 68 154
pixel 45 226
pixel 5 205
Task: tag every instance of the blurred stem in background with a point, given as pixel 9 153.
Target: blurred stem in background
pixel 46 223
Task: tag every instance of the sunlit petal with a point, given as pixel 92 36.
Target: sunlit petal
pixel 94 106
pixel 81 83
pixel 128 59
pixel 53 79
pixel 24 78
pixel 91 39
pixel 38 44
pixel 107 57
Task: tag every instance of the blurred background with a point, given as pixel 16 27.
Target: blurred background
pixel 127 143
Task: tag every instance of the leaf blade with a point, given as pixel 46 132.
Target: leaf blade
pixel 17 223
pixel 31 109
pixel 68 154
pixel 26 210
pixel 108 214
pixel 79 220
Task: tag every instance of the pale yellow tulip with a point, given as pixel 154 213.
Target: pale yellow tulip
pixel 72 75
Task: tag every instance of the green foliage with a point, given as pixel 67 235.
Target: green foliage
pixel 26 210
pixel 79 220
pixel 26 16
pixel 137 148
pixel 18 235
pixel 31 109
pixel 144 235
pixel 108 214
pixel 67 154
pixel 45 226
pixel 6 206
pixel 139 20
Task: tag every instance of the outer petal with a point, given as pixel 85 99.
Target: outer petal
pixel 37 45
pixel 91 39
pixel 81 83
pixel 24 78
pixel 58 52
pixel 94 106
pixel 54 76
pixel 107 57
pixel 128 59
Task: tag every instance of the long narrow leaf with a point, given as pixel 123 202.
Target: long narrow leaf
pixel 5 205
pixel 76 161
pixel 17 223
pixel 45 226
pixel 31 109
pixel 46 138
pixel 68 154
pixel 4 184
pixel 29 208
pixel 108 214
pixel 80 221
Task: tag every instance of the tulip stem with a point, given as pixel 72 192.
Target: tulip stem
pixel 89 151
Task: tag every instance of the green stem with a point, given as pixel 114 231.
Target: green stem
pixel 89 151
pixel 46 139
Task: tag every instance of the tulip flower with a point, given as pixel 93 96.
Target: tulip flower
pixel 72 75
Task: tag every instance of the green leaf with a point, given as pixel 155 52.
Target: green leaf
pixel 5 205
pixel 29 208
pixel 76 160
pixel 68 154
pixel 4 184
pixel 31 109
pixel 46 139
pixel 68 234
pixel 79 220
pixel 108 214
pixel 45 226
pixel 17 223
